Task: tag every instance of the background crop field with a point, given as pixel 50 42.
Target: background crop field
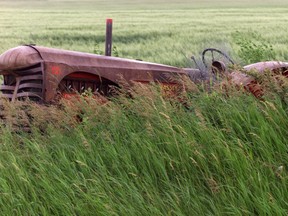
pixel 219 153
pixel 164 31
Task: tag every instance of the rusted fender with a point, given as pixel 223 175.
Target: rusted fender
pixel 248 82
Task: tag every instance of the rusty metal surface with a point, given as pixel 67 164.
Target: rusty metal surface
pixel 40 72
pixel 26 82
pixel 249 82
pixel 108 39
pixel 58 64
pixel 24 56
pixel 262 66
pixel 18 57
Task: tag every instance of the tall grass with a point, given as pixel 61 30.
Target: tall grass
pixel 216 154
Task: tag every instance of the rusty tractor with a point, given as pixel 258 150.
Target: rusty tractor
pixel 41 73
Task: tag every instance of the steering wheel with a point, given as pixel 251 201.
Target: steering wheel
pixel 212 51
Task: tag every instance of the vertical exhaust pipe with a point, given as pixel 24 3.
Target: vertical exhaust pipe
pixel 108 41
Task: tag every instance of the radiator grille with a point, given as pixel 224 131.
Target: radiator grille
pixel 23 83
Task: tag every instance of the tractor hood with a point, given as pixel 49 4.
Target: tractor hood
pixel 25 56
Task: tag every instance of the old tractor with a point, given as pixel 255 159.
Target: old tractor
pixel 41 74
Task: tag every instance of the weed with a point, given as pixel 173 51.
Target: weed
pixel 253 48
pixel 97 49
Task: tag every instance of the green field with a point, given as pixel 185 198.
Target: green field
pixel 220 154
pixel 161 32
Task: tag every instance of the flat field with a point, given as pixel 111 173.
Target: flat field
pixel 165 31
pixel 217 155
